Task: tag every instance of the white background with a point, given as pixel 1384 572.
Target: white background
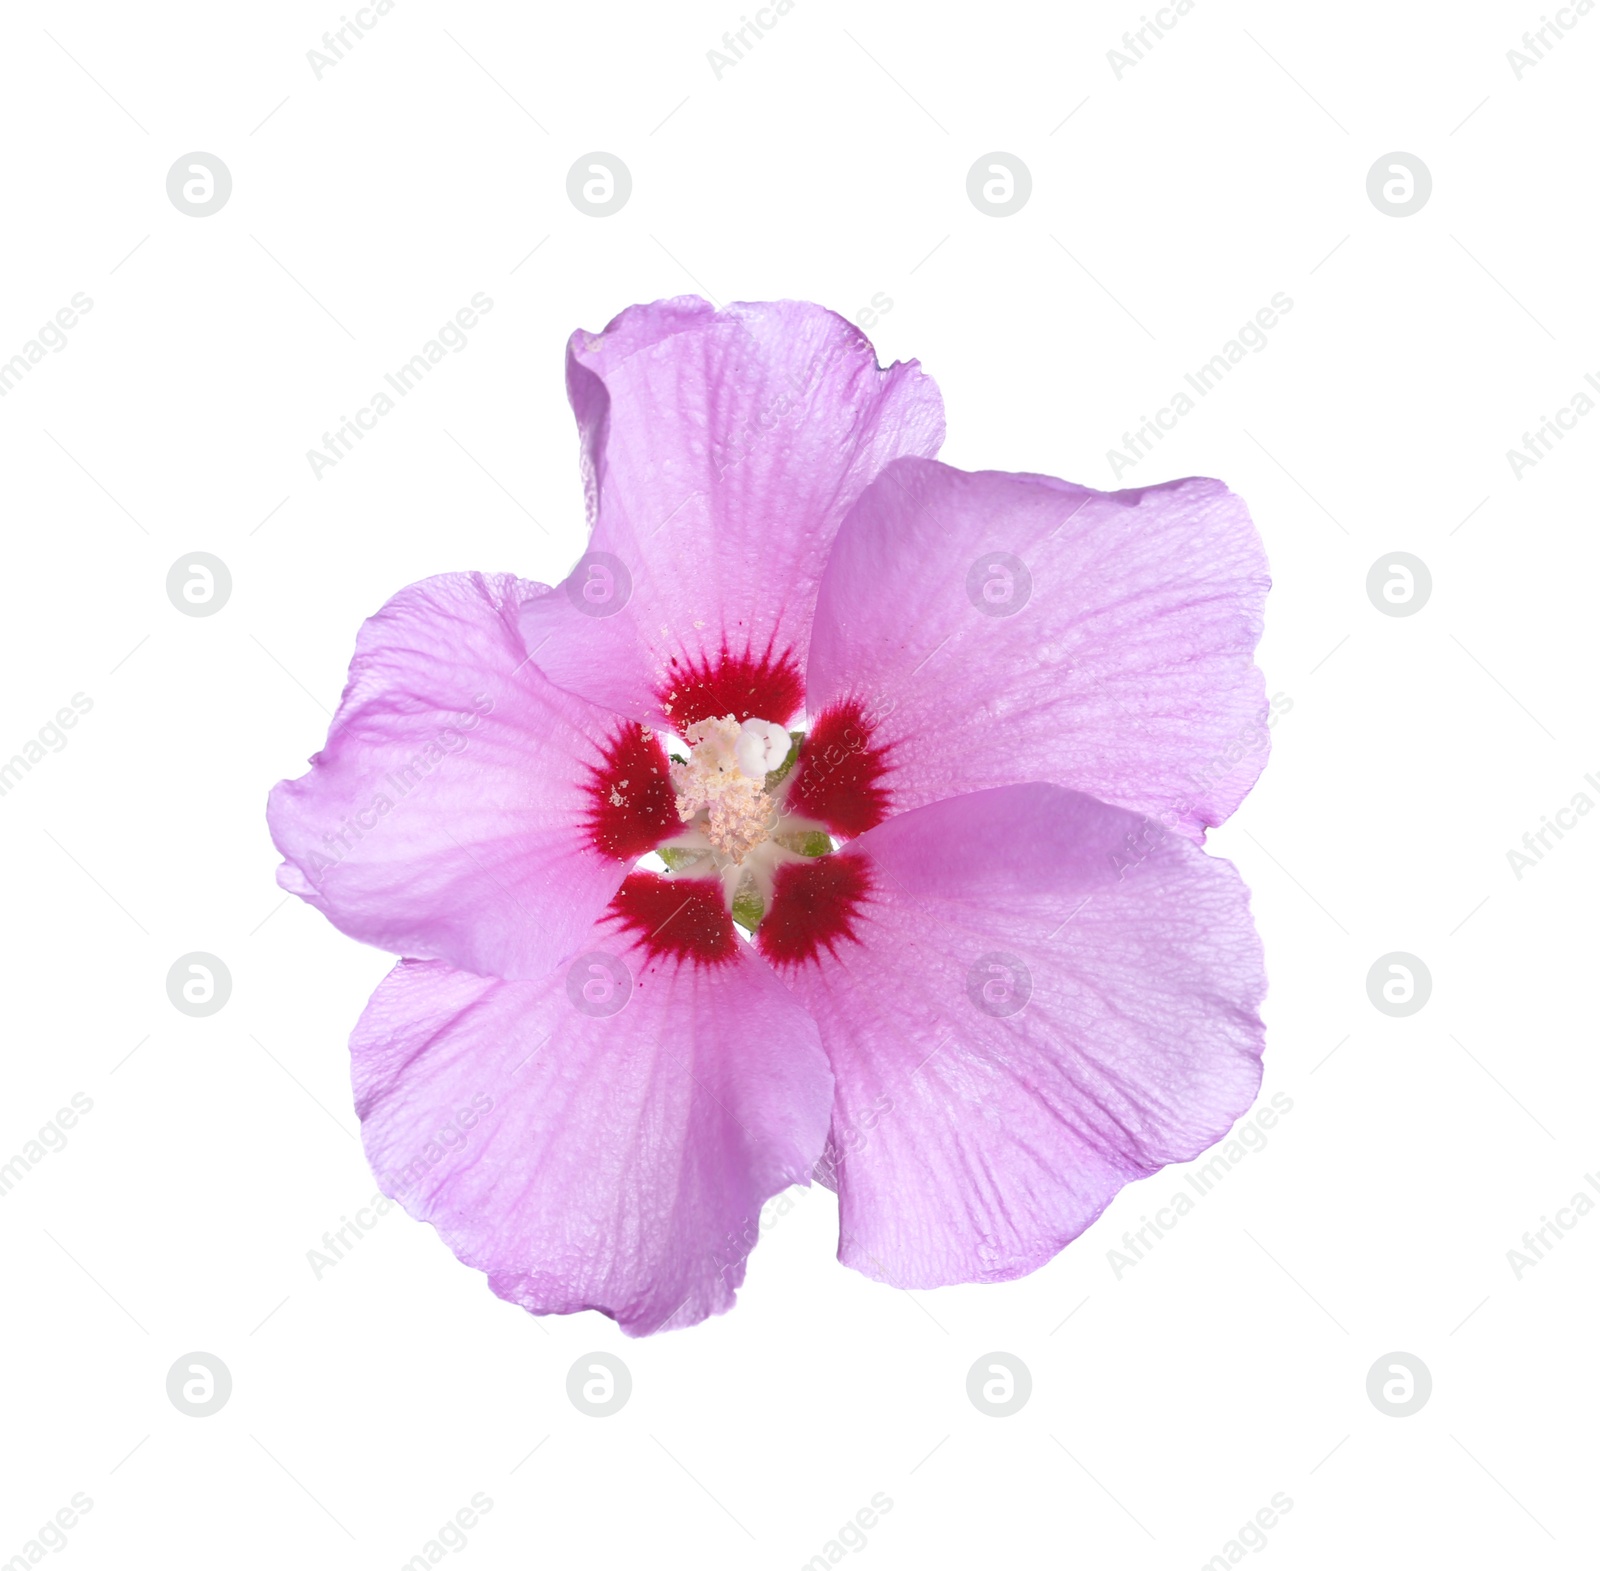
pixel 1167 207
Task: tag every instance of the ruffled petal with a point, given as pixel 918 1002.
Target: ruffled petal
pixel 980 630
pixel 721 449
pixel 604 1138
pixel 464 808
pixel 1029 999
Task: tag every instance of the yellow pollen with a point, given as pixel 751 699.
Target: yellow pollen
pixel 738 813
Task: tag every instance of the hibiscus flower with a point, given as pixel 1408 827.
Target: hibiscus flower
pixel 838 817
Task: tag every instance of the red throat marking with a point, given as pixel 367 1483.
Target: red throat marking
pixel 632 804
pixel 728 684
pixel 681 918
pixel 814 906
pixel 837 777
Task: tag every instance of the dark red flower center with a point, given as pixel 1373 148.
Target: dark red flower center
pixel 631 800
pixel 682 918
pixel 814 907
pixel 768 687
pixel 737 847
pixel 839 773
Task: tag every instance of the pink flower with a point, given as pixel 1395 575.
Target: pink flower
pixel 992 976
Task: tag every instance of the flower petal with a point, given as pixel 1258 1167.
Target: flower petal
pixel 1034 999
pixel 586 1156
pixel 720 450
pixel 464 808
pixel 989 629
